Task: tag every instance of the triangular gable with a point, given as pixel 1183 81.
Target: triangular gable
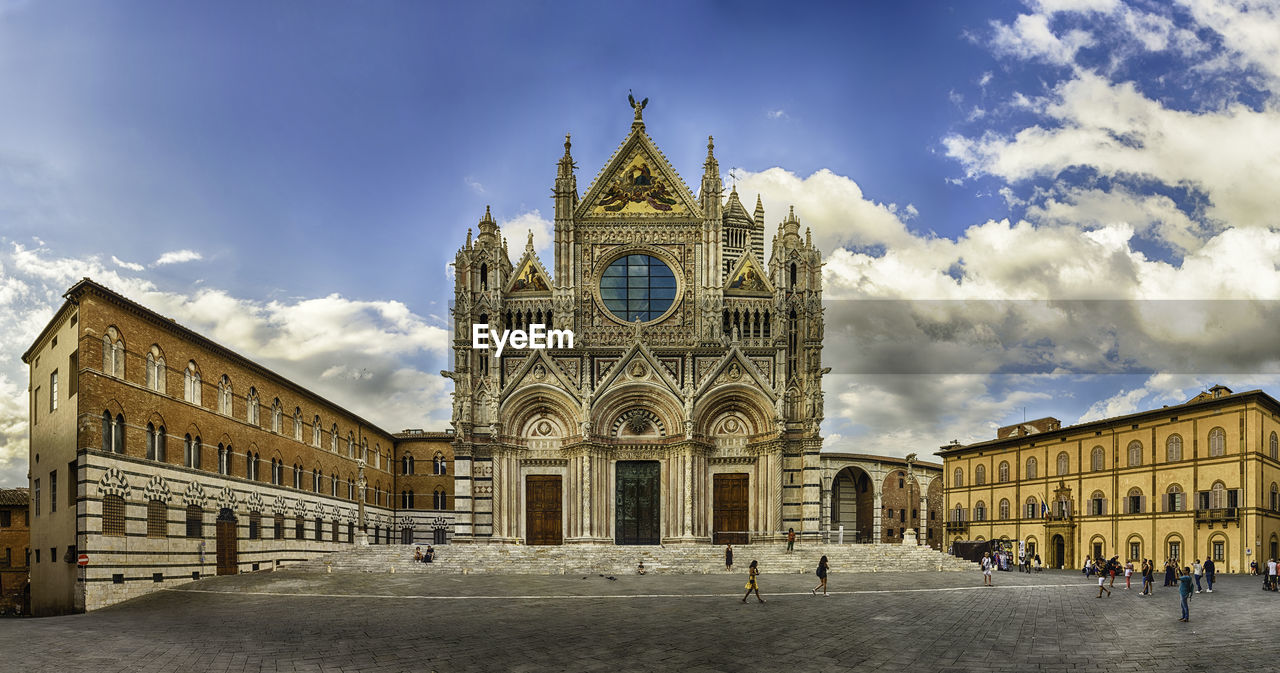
pixel 650 370
pixel 531 277
pixel 748 278
pixel 541 369
pixel 638 181
pixel 736 368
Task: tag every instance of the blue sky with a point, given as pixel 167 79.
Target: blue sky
pixel 293 178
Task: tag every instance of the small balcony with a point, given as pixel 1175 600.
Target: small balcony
pixel 1220 515
pixel 957 526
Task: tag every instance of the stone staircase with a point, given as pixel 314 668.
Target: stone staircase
pixel 463 559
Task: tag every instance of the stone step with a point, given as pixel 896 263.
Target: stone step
pixel 611 559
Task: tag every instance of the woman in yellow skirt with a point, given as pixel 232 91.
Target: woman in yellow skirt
pixel 753 572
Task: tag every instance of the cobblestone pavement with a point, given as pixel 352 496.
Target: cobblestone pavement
pixel 296 621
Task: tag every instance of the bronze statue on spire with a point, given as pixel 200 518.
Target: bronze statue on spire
pixel 638 107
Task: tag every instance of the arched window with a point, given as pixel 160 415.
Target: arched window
pixel 1098 503
pixel 1275 497
pixel 406 464
pixel 277 416
pixel 1033 508
pixel 1003 473
pixel 1098 459
pixel 1135 503
pixel 958 515
pixel 1275 447
pixel 156 443
pixel 297 423
pixel 1217 442
pixel 1064 464
pixel 364 450
pixel 1004 508
pixel 155 369
pixel 351 445
pixel 191 383
pixel 1135 453
pixel 957 480
pixel 1217 496
pixel 251 400
pixel 113 353
pixel 315 432
pixel 297 476
pixel 112 433
pixel 333 439
pixel 333 484
pixel 484 276
pixel 438 499
pixel 190 457
pixel 351 489
pixel 1173 448
pixel 195 521
pixel 1031 467
pixel 979 475
pixel 980 511
pixel 224 395
pixel 440 466
pixel 315 481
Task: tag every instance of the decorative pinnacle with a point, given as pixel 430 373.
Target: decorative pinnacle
pixel 566 144
pixel 529 245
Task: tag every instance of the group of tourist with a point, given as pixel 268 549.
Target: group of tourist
pixel 1270 581
pixel 424 557
pixel 1202 574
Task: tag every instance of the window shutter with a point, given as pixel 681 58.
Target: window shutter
pixel 1142 503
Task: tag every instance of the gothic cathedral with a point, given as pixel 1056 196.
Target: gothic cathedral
pixel 687 409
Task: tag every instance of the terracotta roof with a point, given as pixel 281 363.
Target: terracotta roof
pixel 15 496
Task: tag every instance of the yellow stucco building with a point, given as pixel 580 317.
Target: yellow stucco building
pixel 1194 480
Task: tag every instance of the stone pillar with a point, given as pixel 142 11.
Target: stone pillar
pixel 463 527
pixel 825 523
pixel 811 502
pixel 877 516
pixel 924 516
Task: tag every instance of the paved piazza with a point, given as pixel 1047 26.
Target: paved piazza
pixel 296 621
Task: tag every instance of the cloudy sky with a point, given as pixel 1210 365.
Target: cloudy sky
pixel 1054 207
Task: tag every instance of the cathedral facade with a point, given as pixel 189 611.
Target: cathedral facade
pixel 686 409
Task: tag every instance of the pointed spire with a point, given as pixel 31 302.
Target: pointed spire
pixel 712 187
pixel 488 229
pixel 468 238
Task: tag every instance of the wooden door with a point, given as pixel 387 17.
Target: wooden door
pixel 228 553
pixel 542 514
pixel 637 505
pixel 729 518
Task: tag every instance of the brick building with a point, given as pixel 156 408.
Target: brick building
pixel 15 546
pixel 164 456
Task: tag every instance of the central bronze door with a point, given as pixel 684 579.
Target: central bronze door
pixel 542 509
pixel 637 509
pixel 729 497
pixel 228 553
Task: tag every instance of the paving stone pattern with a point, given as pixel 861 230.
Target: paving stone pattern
pixel 299 620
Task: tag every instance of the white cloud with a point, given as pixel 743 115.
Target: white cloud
pixel 517 231
pixel 776 114
pixel 1030 38
pixel 474 184
pixel 132 266
pixel 178 257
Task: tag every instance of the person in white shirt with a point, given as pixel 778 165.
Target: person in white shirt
pixel 986 569
pixel 1197 570
pixel 1271 574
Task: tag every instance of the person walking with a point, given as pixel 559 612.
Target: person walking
pixel 1209 570
pixel 1184 592
pixel 752 572
pixel 1146 578
pixel 1102 583
pixel 1128 573
pixel 986 569
pixel 823 567
pixel 1197 570
pixel 791 540
pixel 728 558
pixel 1088 566
pixel 1169 576
pixel 1039 564
pixel 1271 575
pixel 1113 567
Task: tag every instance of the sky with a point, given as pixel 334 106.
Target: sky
pixel 1057 208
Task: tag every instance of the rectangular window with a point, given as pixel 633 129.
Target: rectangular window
pixel 1097 508
pixel 1219 551
pixel 1135 550
pixel 1202 500
pixel 1097 550
pixel 8 557
pixel 53 491
pixel 1175 550
pixel 53 391
pixel 73 374
pixel 36 499
pixel 1135 505
pixel 195 521
pixel 71 484
pixel 6 518
pixel 157 519
pixel 1233 498
pixel 113 515
pixel 319 529
pixel 35 406
pixel 279 526
pixel 255 525
pixel 299 529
